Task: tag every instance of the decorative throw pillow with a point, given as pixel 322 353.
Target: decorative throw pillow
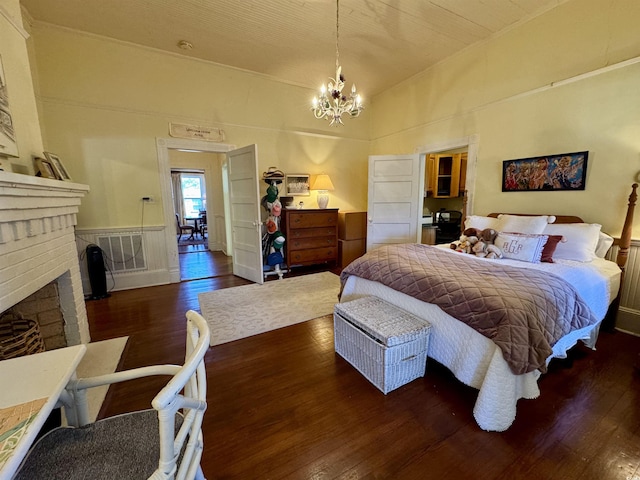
pixel 580 240
pixel 550 248
pixel 479 222
pixel 521 246
pixel 524 224
pixel 604 244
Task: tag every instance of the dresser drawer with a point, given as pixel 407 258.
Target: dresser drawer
pixel 311 236
pixel 312 242
pixel 314 255
pixel 312 232
pixel 307 220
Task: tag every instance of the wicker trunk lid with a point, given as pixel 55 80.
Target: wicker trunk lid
pixel 382 321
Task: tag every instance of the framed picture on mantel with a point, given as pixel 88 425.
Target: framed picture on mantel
pixel 58 167
pixel 44 168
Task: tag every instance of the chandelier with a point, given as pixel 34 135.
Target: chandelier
pixel 332 104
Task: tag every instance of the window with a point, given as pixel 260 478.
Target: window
pixel 193 193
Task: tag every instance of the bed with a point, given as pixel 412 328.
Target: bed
pixel 496 323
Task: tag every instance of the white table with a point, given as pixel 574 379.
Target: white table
pixel 38 378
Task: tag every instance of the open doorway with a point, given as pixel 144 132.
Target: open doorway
pixel 189 192
pixel 397 192
pixel 195 155
pixel 449 183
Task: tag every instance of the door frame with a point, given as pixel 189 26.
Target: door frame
pixel 163 145
pixel 471 143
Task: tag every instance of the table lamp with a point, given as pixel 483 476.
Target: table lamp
pixel 323 185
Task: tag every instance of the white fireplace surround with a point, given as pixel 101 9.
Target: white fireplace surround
pixel 38 245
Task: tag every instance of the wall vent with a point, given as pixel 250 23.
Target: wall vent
pixel 123 252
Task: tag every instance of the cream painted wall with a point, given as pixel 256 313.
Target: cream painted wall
pixel 501 90
pixel 104 103
pixel 15 59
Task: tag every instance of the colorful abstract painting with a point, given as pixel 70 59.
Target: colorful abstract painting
pixel 565 171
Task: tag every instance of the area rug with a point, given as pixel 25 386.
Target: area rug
pixel 100 358
pixel 239 312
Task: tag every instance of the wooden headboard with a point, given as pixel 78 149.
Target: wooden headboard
pixel 559 218
pixel 623 248
pixel 625 237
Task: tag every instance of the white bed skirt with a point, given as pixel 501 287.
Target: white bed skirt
pixel 473 358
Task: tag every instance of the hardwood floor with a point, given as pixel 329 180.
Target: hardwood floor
pixel 283 405
pixel 196 261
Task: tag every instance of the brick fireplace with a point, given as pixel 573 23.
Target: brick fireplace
pixel 38 255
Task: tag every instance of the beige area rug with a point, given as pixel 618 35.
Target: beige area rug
pixel 239 312
pixel 101 358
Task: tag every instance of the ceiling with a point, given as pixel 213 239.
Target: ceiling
pixel 381 42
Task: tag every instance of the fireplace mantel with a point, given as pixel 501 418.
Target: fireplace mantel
pixel 38 245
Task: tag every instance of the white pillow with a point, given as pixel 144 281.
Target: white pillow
pixel 521 246
pixel 523 224
pixel 604 244
pixel 579 242
pixel 476 221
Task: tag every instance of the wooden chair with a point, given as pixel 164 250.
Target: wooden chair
pixel 160 443
pixel 203 223
pixel 448 223
pixel 184 228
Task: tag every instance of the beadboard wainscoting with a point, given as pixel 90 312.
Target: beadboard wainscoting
pixel 130 263
pixel 217 233
pixel 629 313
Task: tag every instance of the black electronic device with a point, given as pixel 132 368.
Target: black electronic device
pixel 97 272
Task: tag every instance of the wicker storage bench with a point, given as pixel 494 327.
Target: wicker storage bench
pixel 384 343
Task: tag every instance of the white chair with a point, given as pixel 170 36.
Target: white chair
pixel 160 443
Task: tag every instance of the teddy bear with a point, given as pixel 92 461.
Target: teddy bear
pixel 467 240
pixel 485 246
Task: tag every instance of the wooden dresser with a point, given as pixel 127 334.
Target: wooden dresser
pixel 311 236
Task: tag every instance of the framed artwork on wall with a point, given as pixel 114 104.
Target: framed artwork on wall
pixel 58 167
pixel 298 184
pixel 8 145
pixel 564 171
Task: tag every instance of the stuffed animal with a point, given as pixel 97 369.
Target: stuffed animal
pixel 467 240
pixel 485 246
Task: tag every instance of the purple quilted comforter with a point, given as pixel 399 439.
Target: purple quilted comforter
pixel 523 311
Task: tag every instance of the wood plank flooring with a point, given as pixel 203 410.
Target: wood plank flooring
pixel 283 405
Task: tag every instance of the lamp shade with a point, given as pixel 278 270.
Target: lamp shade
pixel 322 182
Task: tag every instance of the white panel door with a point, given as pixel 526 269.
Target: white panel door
pixel 393 213
pixel 244 199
